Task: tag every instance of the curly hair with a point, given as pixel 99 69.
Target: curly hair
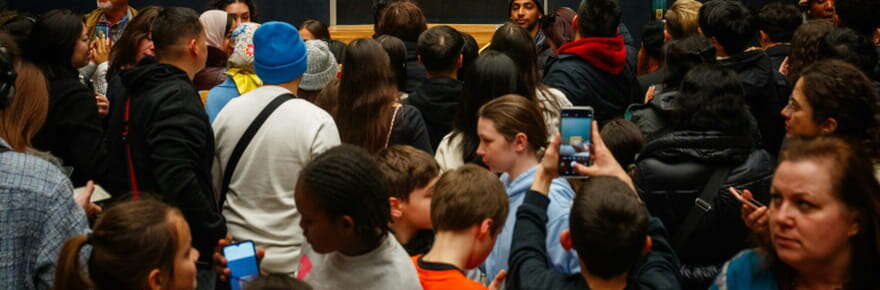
pixel 805 46
pixel 839 90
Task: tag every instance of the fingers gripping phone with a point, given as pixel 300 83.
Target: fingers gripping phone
pixel 242 263
pixel 576 127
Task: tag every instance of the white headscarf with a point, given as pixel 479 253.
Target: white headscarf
pixel 214 22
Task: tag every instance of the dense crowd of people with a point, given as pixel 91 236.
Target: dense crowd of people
pixel 733 147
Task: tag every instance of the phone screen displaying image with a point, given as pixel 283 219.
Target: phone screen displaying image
pixel 576 127
pixel 242 262
pixel 102 29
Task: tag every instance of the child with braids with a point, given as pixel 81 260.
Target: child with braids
pixel 343 199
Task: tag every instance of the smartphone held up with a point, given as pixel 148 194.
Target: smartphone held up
pixel 575 128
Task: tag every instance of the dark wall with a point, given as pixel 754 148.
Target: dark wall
pixel 293 11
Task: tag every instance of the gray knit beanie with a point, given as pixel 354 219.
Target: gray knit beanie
pixel 322 66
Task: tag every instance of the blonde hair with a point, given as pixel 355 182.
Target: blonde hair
pixel 682 19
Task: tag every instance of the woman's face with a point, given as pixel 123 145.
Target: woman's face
pixel 240 11
pixel 498 153
pixel 185 259
pixel 80 57
pixel 306 34
pixel 822 9
pixel 145 48
pixel 798 114
pixel 809 224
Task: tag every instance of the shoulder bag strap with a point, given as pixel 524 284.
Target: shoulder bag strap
pixel 391 128
pixel 702 205
pixel 246 139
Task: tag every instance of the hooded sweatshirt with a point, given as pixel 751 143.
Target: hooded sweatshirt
pixel 594 71
pixel 437 99
pixel 172 148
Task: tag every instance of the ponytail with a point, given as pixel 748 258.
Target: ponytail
pixel 68 275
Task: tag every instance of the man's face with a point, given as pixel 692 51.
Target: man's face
pixel 525 13
pixel 110 4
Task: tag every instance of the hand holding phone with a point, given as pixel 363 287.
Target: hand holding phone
pixel 242 263
pixel 576 128
pixel 754 204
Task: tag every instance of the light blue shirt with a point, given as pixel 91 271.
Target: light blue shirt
pixel 558 211
pixel 219 96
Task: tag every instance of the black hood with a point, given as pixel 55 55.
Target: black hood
pixel 755 60
pixel 141 78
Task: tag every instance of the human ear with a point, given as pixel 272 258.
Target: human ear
pixel 521 142
pixel 346 224
pixel 154 280
pixel 485 229
pixel 828 126
pixel 396 208
pixel 565 240
pixel 193 47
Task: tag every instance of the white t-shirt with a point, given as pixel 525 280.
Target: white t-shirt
pixel 387 267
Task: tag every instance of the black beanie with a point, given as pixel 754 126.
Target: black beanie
pixel 538 3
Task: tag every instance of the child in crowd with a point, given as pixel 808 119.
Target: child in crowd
pixel 411 175
pixel 468 210
pixel 620 246
pixel 343 199
pixel 512 132
pixel 625 142
pixel 134 245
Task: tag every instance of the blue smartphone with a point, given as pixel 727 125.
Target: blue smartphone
pixel 576 128
pixel 242 263
pixel 102 28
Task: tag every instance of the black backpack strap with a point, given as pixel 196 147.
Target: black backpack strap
pixel 702 205
pixel 246 139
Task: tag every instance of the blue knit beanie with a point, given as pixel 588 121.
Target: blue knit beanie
pixel 279 53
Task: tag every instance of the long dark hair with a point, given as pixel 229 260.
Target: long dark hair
pixel 839 90
pixel 492 75
pixel 396 56
pixel 516 43
pixel 317 28
pixel 855 185
pixel 129 240
pixel 367 91
pixel 125 49
pixel 52 40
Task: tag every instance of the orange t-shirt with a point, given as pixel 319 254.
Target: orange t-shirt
pixel 439 276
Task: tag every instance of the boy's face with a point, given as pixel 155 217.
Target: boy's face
pixel 417 211
pixel 320 229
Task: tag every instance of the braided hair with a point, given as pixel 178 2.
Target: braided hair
pixel 346 180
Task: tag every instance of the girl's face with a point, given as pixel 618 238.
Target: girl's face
pixel 80 57
pixel 305 34
pixel 497 152
pixel 240 11
pixel 809 224
pixel 798 114
pixel 185 259
pixel 145 48
pixel 324 233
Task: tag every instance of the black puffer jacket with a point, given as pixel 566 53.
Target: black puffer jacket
pixel 172 148
pixel 671 173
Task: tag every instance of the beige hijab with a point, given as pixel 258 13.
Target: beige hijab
pixel 214 22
